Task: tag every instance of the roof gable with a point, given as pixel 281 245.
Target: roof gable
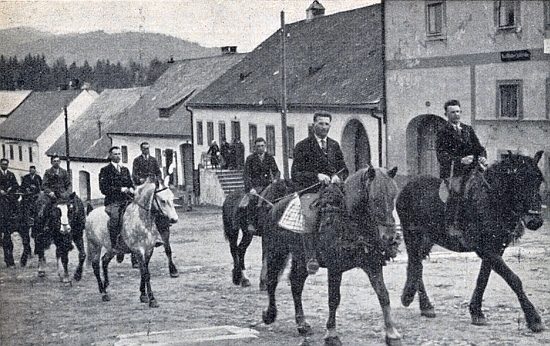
pixel 331 60
pixel 40 109
pixel 9 100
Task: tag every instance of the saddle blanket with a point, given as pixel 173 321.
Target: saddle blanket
pixel 292 218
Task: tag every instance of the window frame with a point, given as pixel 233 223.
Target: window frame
pixel 519 99
pixel 252 135
pixel 515 4
pixel 12 155
pixel 20 153
pixel 235 130
pixel 222 134
pixel 291 138
pixel 124 153
pixel 443 18
pixel 209 132
pixel 547 14
pixel 270 139
pixel 200 133
pixel 30 154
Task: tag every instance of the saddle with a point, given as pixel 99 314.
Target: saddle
pixel 301 214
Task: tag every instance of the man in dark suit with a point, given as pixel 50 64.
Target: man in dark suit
pixel 458 148
pixel 31 185
pixel 8 200
pixel 116 184
pixel 56 183
pixel 145 166
pixel 318 160
pixel 260 170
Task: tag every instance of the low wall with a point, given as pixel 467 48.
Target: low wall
pixel 211 189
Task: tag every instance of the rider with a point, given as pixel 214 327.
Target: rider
pixel 8 199
pixel 260 170
pixel 57 183
pixel 318 160
pixel 116 184
pixel 457 150
pixel 31 185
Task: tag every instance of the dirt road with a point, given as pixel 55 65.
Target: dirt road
pixel 203 304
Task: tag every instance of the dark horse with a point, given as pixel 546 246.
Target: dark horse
pixel 63 223
pixel 357 230
pixel 12 219
pixel 139 232
pixel 235 223
pixel 500 201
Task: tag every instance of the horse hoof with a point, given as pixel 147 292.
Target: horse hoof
pixel 333 341
pixel 41 273
pixel 407 299
pixel 305 329
pixel 106 298
pixel 77 277
pixel 479 321
pixel 269 316
pixel 153 303
pixel 306 342
pixel 174 274
pixel 143 298
pixel 393 342
pixel 245 283
pixel 65 278
pixel 237 277
pixel 537 327
pixel 429 313
pixel 173 271
pixel 263 286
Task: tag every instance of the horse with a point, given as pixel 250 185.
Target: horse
pixel 357 230
pixel 60 221
pixel 500 201
pixel 138 232
pixel 235 223
pixel 12 219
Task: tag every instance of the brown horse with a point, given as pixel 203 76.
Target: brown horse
pixel 357 231
pixel 500 201
pixel 139 232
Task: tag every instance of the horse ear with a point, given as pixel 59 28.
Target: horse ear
pixel 392 172
pixel 72 195
pixel 371 173
pixel 538 155
pixel 166 180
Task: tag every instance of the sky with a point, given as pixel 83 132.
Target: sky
pixel 211 23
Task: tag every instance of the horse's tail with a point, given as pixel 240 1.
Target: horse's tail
pixel 229 214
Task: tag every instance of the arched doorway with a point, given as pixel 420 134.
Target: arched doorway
pixel 84 185
pixel 355 146
pixel 421 144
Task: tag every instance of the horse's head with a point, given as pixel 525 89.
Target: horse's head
pixel 370 195
pixel 163 203
pixel 275 191
pixel 523 181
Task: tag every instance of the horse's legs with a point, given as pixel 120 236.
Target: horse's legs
pixel 26 240
pixel 298 276
pixel 243 246
pixel 532 317
pixel 334 281
pixel 275 258
pixel 7 245
pixel 145 283
pixel 95 254
pixel 105 260
pixel 478 318
pixel 165 235
pixel 376 277
pixel 61 254
pixel 232 236
pixel 79 242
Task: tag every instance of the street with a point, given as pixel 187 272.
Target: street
pixel 203 307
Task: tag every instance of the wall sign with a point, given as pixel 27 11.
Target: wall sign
pixel 515 55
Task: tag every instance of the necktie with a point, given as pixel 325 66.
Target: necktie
pixel 324 145
pixel 118 168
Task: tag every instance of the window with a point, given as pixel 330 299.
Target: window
pixel 547 14
pixel 124 153
pixel 547 98
pixel 270 139
pixel 221 132
pixel 20 153
pixel 506 13
pixel 209 132
pixel 11 152
pixel 290 137
pixel 158 156
pixel 252 135
pixel 509 99
pixel 30 154
pixel 3 151
pixel 200 139
pixel 235 130
pixel 435 18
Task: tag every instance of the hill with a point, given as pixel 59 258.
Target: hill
pixel 92 46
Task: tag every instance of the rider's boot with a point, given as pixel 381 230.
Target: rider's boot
pixel 312 265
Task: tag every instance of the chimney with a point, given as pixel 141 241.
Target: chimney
pixel 229 50
pixel 314 10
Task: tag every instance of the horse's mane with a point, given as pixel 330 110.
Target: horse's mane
pixel 144 194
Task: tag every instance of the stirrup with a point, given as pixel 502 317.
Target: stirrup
pixel 312 266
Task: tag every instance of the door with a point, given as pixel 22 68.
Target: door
pixel 84 185
pixel 186 151
pixel 427 155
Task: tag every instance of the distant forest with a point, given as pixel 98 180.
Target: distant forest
pixel 33 73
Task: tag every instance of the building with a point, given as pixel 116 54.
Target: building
pixel 332 63
pixel 490 55
pixel 34 126
pixel 89 141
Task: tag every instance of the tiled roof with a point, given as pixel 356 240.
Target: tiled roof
pixel 35 114
pixel 176 86
pixel 331 60
pixel 9 100
pixel 85 141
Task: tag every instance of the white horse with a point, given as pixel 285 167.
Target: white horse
pixel 139 233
